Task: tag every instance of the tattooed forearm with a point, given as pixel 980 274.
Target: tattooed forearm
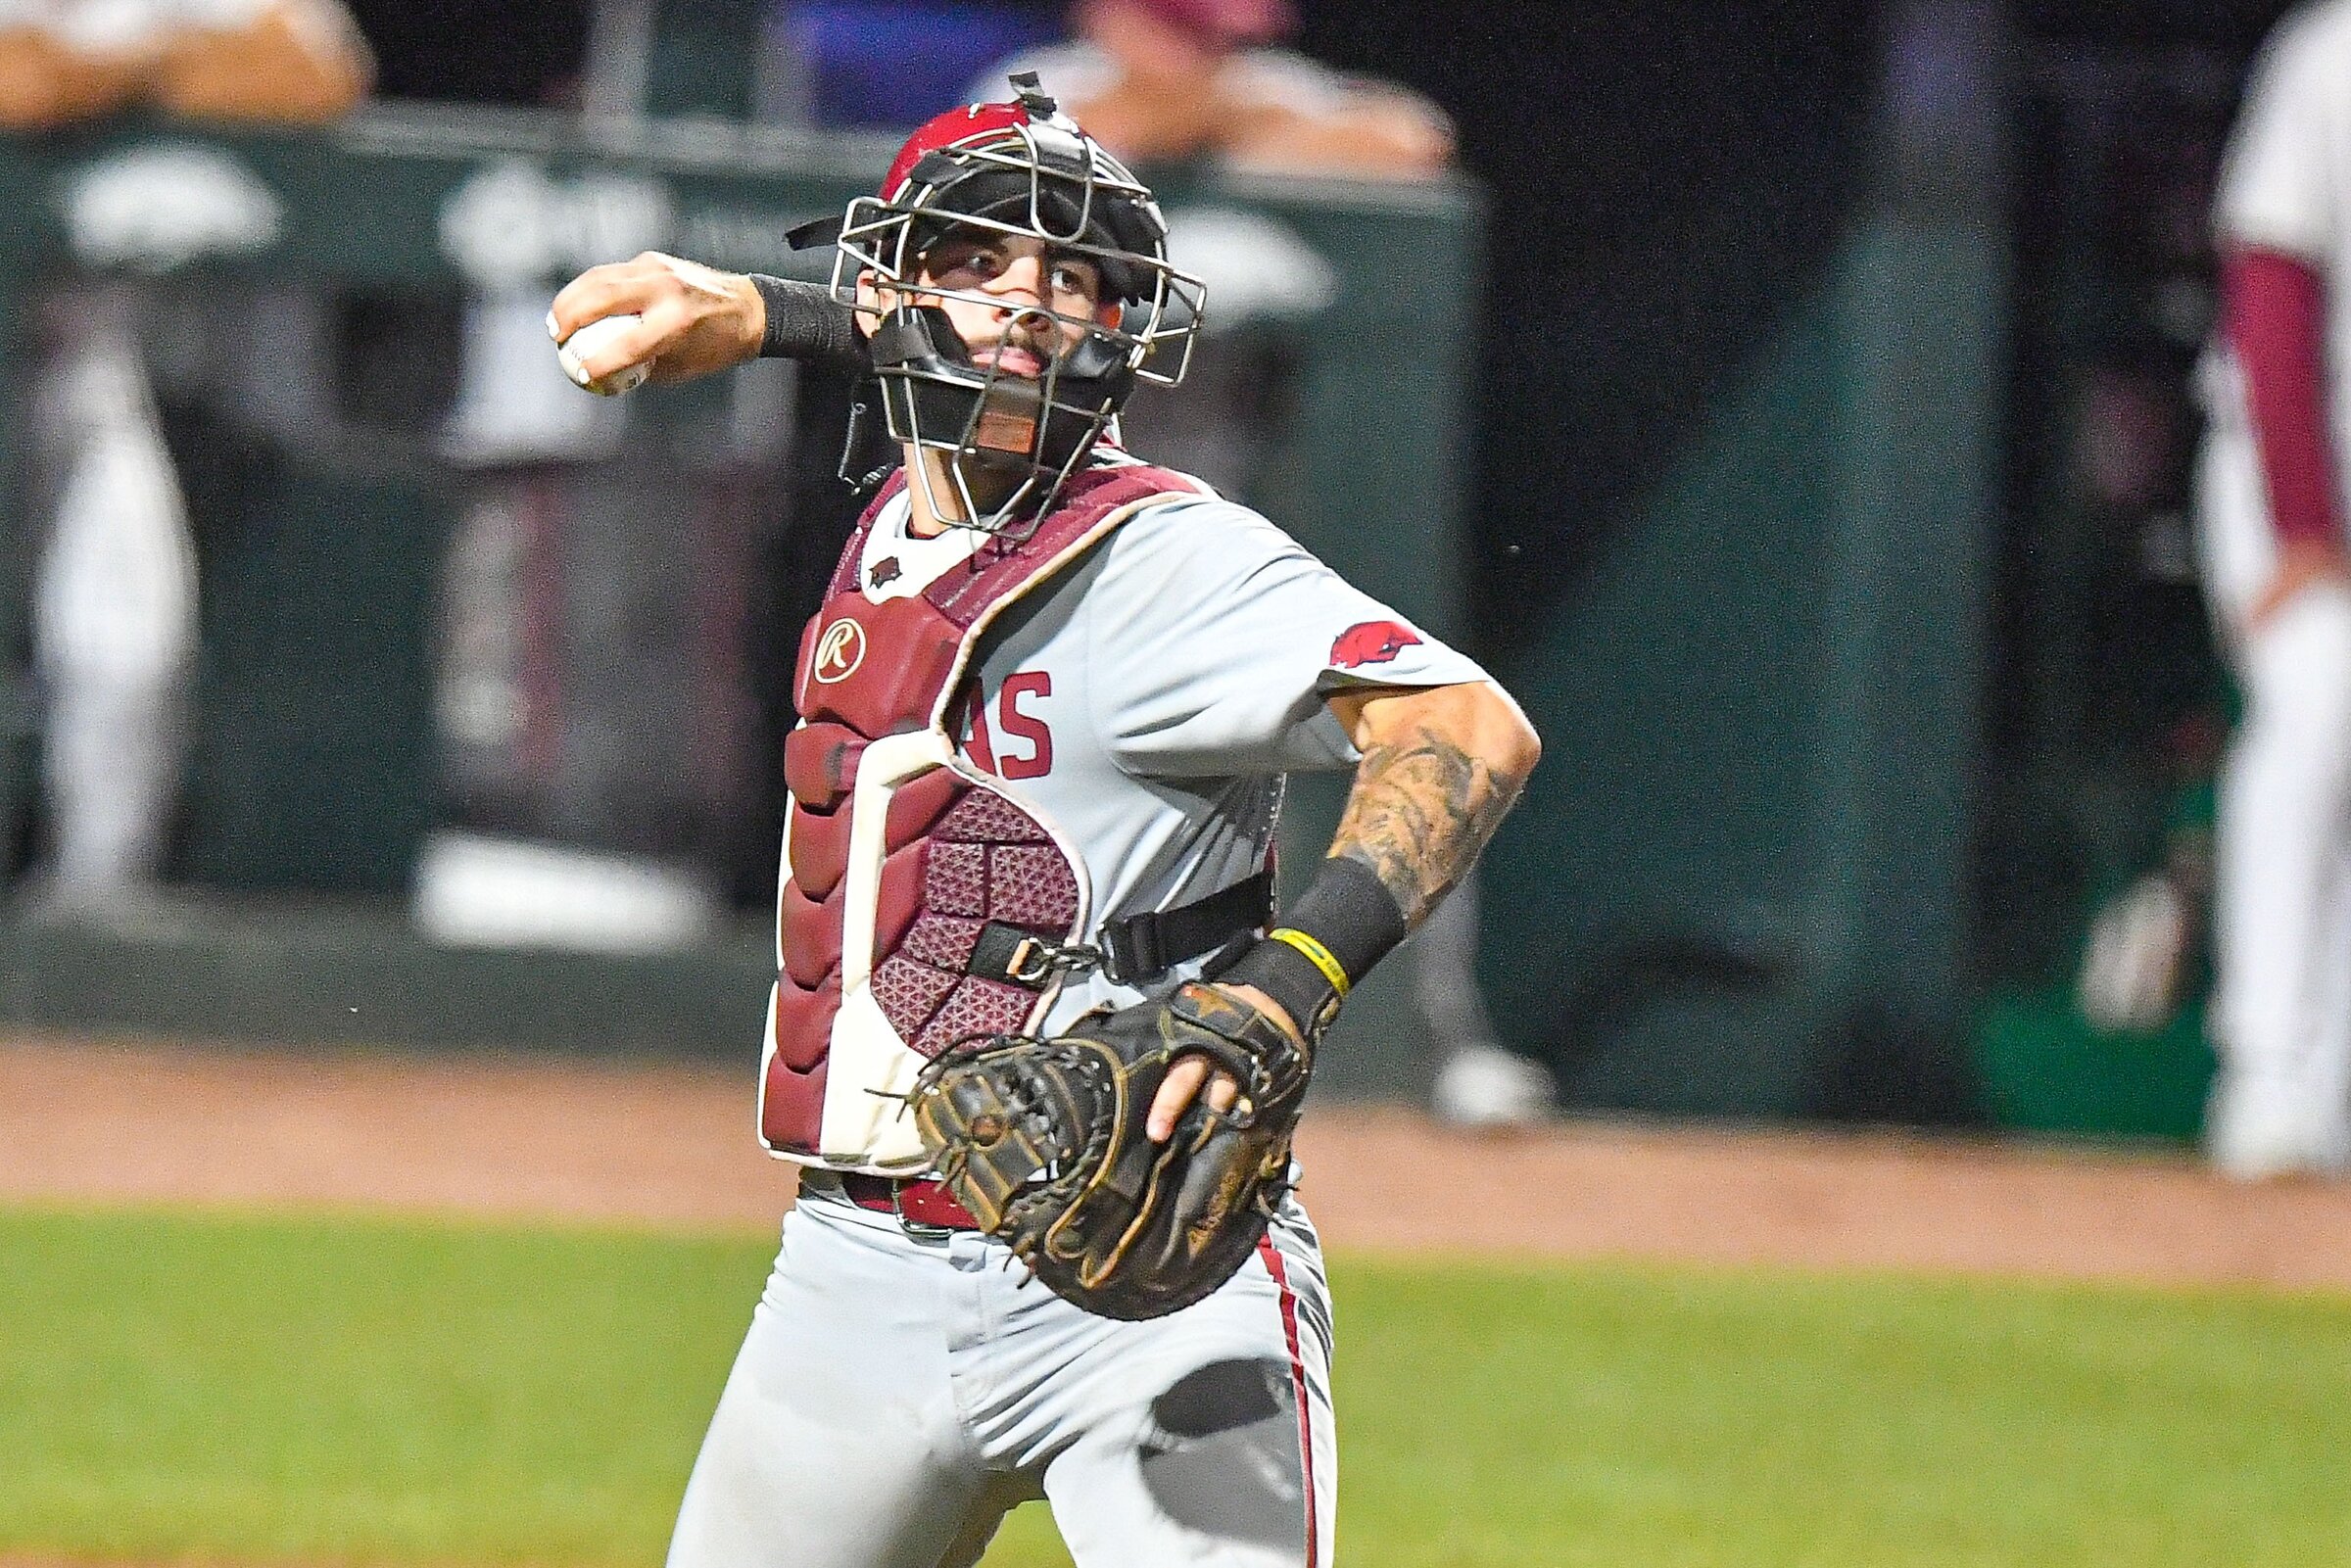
pixel 1422 806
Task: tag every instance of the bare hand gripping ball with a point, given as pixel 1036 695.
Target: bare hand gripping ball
pixel 1044 1141
pixel 586 341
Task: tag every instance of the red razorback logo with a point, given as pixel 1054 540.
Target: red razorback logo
pixel 1371 643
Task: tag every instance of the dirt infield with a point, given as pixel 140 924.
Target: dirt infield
pixel 140 1123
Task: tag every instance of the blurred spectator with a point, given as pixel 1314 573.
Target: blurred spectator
pixel 115 590
pixel 2271 499
pixel 881 64
pixel 274 59
pixel 1168 80
pixel 113 607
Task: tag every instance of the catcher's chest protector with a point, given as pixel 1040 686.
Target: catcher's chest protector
pixel 906 868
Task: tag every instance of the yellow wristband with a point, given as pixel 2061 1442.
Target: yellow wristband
pixel 1316 954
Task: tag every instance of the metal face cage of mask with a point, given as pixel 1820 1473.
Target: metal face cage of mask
pixel 1008 435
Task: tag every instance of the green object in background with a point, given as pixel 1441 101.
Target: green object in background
pixel 1738 883
pixel 2044 1068
pixel 313 763
pixel 1767 693
pixel 705 58
pixel 265 1387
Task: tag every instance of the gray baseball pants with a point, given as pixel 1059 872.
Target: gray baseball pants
pixel 900 1390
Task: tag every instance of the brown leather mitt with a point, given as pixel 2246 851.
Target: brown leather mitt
pixel 1043 1141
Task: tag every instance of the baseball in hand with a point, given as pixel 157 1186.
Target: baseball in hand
pixel 587 340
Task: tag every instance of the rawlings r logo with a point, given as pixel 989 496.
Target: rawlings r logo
pixel 839 650
pixel 1368 642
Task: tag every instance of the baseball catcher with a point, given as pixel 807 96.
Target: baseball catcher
pixel 1034 1004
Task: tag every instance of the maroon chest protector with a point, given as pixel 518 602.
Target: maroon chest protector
pixel 963 867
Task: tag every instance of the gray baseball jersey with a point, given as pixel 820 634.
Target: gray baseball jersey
pixel 2287 182
pixel 2285 185
pixel 1148 702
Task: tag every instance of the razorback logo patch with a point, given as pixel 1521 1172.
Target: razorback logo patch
pixel 1371 643
pixel 885 572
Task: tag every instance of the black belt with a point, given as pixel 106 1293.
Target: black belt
pixel 1132 948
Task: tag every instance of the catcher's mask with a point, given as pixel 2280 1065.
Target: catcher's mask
pixel 1016 169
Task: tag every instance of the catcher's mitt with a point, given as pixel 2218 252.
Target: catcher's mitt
pixel 1044 1141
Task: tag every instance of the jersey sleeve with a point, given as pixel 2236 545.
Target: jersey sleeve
pixel 1214 639
pixel 2285 178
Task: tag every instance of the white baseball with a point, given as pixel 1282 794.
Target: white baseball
pixel 587 340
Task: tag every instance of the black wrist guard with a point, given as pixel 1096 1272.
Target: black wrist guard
pixel 805 322
pixel 1346 922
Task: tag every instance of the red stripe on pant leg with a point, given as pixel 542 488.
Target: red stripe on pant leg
pixel 1289 1334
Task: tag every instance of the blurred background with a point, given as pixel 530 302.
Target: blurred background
pixel 1790 402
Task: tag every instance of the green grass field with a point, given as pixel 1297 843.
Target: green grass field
pixel 368 1391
